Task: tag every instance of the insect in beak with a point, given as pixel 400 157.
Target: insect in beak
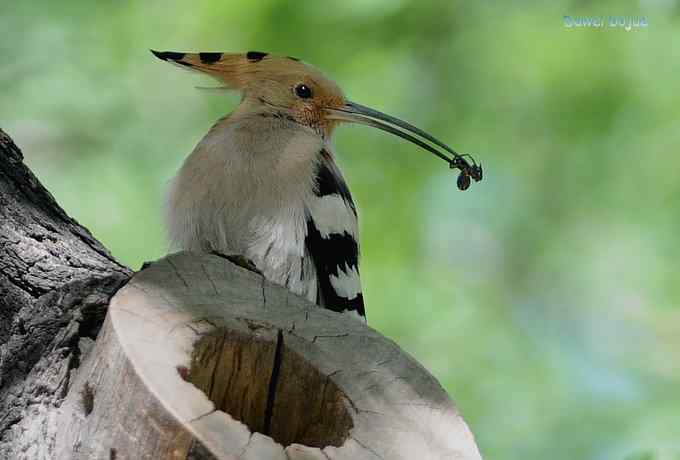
pixel 357 113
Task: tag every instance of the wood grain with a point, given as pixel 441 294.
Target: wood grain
pixel 209 360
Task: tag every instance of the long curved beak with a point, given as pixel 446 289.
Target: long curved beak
pixel 357 113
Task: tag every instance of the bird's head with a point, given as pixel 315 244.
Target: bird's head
pixel 289 88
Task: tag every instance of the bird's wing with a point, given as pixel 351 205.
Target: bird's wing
pixel 332 241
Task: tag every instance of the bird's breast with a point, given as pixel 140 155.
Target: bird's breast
pixel 244 190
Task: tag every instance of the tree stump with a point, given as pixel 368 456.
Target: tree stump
pixel 197 358
pixel 198 353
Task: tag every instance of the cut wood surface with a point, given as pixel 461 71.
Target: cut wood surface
pixel 200 358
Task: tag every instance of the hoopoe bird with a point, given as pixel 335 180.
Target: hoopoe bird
pixel 263 183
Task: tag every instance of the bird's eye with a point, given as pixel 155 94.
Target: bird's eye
pixel 303 91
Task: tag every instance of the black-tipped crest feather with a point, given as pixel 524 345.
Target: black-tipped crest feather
pixel 168 55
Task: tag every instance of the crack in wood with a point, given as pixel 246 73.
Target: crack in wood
pixel 177 272
pixel 253 324
pixel 364 373
pixel 273 382
pixel 206 320
pixel 371 412
pixel 212 283
pixel 367 448
pixel 264 296
pixel 189 326
pixel 195 419
pixel 329 336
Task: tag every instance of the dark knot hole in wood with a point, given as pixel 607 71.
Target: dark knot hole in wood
pixel 270 388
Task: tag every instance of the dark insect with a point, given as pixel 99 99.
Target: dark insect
pixel 467 170
pixel 463 180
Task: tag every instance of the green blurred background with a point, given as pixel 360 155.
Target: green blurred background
pixel 545 298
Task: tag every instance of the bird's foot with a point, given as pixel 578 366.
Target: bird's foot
pixel 239 260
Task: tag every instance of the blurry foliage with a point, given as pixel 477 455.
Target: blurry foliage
pixel 545 298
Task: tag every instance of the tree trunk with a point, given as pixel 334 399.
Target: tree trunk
pixel 55 284
pixel 197 358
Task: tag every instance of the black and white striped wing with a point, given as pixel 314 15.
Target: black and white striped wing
pixel 332 241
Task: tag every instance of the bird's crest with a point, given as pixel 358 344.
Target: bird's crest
pixel 237 70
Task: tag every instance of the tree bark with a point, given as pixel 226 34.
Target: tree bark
pixel 55 284
pixel 197 358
